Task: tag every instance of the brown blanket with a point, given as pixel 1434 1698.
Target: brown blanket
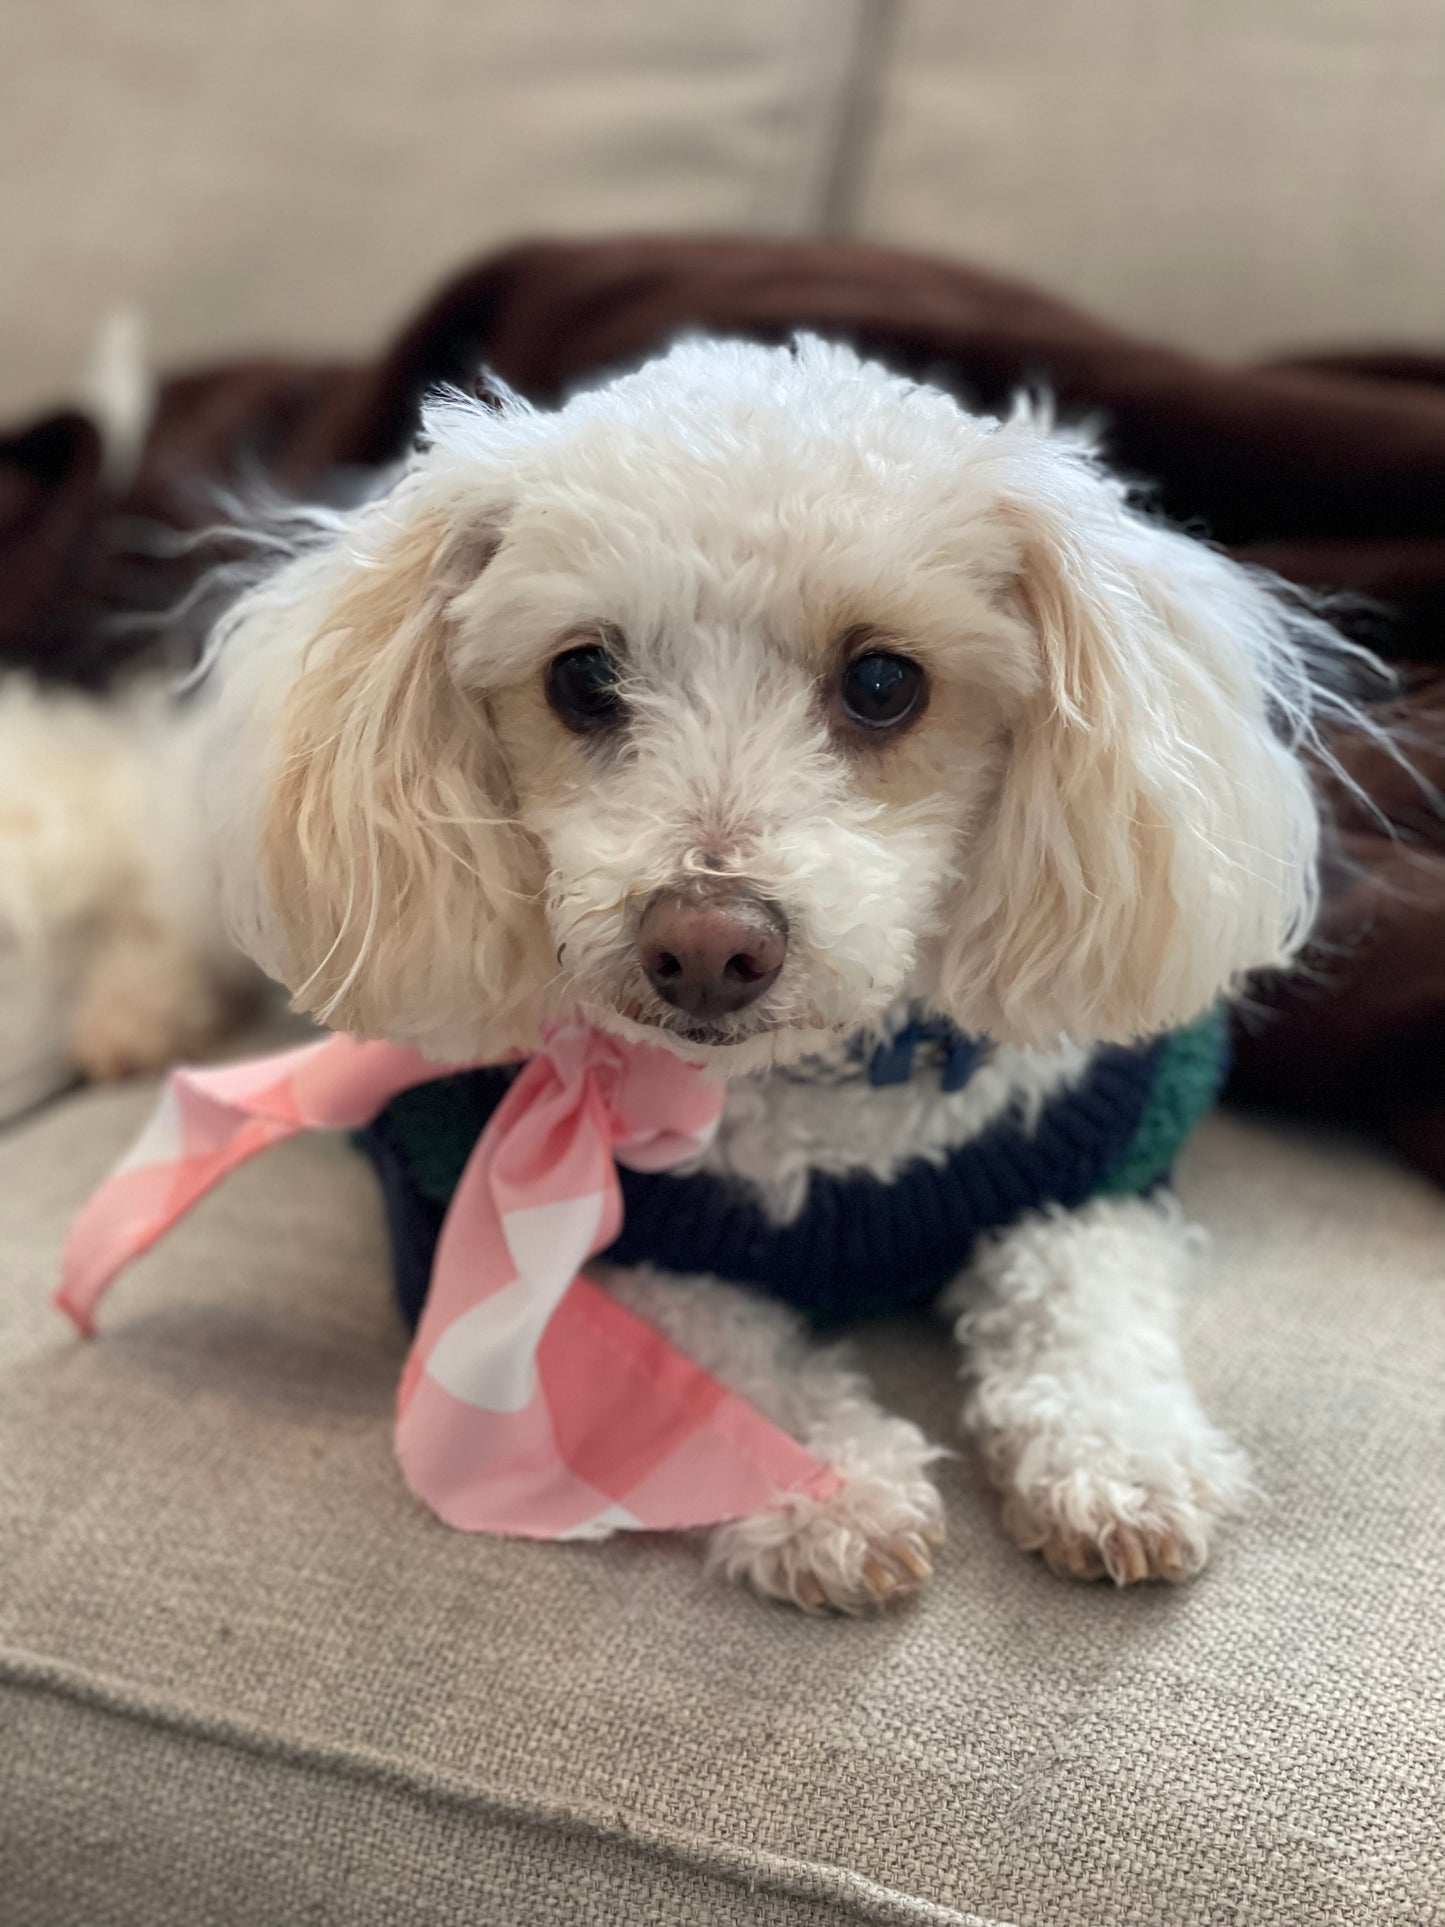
pixel 1330 470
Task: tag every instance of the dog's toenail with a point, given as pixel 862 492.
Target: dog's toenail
pixel 808 1593
pixel 912 1554
pixel 881 1579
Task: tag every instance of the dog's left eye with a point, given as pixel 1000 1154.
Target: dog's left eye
pixel 882 690
pixel 582 686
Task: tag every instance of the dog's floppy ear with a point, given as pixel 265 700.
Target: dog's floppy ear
pixel 396 886
pixel 1154 835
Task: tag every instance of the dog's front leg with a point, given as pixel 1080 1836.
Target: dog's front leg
pixel 1078 1398
pixel 873 1541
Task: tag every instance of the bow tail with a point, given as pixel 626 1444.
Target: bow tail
pixel 668 1444
pixel 190 1143
pixel 206 1124
pixel 618 1430
pixel 534 1403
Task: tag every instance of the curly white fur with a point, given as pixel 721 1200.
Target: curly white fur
pixel 776 1131
pixel 1097 824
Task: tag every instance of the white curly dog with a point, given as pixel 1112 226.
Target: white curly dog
pixel 746 703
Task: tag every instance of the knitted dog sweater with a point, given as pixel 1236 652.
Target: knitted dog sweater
pixel 861 1244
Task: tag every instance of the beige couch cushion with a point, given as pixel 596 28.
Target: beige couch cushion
pixel 245 1680
pixel 294 174
pixel 1231 175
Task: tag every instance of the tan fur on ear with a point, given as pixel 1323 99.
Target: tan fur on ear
pixel 400 885
pixel 1151 839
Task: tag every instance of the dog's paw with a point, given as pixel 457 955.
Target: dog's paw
pixel 870 1545
pixel 1119 1532
pixel 1123 1523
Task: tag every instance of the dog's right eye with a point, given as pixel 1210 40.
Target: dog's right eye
pixel 582 686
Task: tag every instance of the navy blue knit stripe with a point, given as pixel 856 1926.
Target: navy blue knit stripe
pixel 413 1220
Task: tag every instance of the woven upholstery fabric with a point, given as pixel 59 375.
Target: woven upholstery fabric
pixel 246 1681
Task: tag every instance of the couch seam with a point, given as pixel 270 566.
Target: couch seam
pixel 867 1901
pixel 794 193
pixel 858 109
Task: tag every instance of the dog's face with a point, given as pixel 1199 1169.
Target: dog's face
pixel 750 687
pixel 740 699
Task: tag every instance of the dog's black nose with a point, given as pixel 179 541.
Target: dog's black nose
pixel 709 949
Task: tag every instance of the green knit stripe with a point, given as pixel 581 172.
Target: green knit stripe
pixel 1191 1072
pixel 436 1126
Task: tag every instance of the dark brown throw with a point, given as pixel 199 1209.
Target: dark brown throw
pixel 1330 470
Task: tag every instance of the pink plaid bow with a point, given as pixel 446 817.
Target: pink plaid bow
pixel 532 1402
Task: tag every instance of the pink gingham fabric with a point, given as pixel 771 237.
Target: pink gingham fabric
pixel 532 1402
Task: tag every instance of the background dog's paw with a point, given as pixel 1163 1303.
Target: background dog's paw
pixel 868 1546
pixel 1090 1524
pixel 145 1002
